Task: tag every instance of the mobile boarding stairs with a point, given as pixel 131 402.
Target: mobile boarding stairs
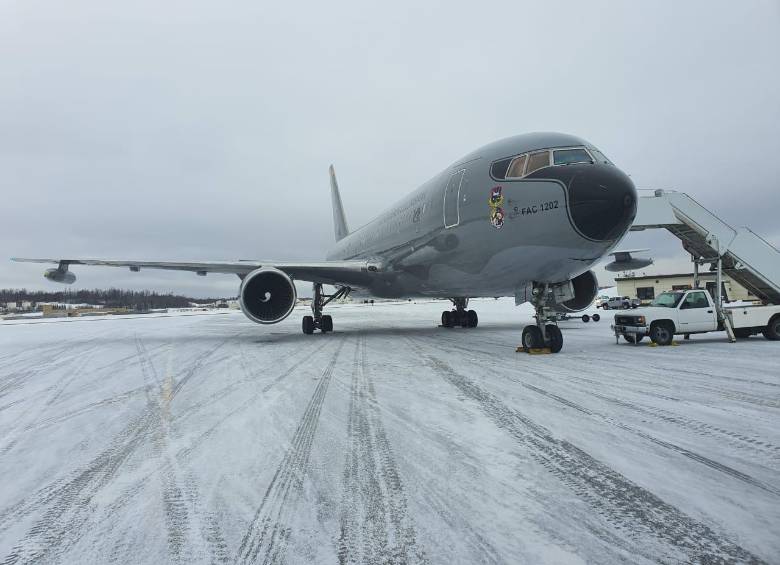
pixel 740 253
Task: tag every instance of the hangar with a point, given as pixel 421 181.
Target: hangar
pixel 647 287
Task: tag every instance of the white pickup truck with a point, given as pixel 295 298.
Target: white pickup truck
pixel 684 312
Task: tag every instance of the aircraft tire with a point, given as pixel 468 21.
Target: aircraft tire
pixel 585 318
pixel 326 325
pixel 596 317
pixel 446 319
pixel 532 338
pixel 555 336
pixel 472 319
pixel 307 325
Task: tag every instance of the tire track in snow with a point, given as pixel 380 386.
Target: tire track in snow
pixel 184 453
pixel 614 497
pixel 757 447
pixel 54 391
pixel 668 445
pixel 269 530
pixel 69 503
pixel 375 526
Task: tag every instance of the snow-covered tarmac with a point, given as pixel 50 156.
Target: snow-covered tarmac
pixel 206 438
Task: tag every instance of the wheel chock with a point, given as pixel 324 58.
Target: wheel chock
pixel 534 350
pixel 673 344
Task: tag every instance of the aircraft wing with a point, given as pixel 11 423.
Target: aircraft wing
pixel 348 273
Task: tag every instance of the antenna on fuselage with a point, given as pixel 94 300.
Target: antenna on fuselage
pixel 339 220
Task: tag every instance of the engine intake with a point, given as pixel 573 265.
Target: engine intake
pixel 267 295
pixel 585 288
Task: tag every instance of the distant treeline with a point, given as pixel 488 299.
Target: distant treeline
pixel 113 297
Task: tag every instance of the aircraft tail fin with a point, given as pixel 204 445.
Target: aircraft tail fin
pixel 339 220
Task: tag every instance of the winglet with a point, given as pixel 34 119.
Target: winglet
pixel 339 221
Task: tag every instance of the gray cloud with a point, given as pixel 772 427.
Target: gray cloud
pixel 190 130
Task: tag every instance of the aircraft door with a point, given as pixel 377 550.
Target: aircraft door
pixel 452 199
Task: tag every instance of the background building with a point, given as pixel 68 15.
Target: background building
pixel 647 287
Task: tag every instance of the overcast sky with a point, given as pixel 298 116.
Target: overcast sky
pixel 204 130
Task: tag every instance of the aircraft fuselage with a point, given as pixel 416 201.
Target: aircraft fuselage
pixel 476 229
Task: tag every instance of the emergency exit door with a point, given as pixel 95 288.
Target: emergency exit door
pixel 452 199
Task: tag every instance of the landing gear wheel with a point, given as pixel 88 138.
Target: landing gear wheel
pixel 308 325
pixel 326 323
pixel 472 318
pixel 772 330
pixel 633 338
pixel 446 319
pixel 555 337
pixel 585 318
pixel 532 338
pixel 661 334
pixel 596 317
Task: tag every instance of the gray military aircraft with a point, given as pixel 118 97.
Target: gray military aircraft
pixel 527 216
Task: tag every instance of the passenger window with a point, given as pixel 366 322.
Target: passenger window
pixel 498 170
pixel 695 300
pixel 537 161
pixel 571 156
pixel 516 167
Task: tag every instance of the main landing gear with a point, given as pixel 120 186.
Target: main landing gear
pixel 459 316
pixel 320 321
pixel 543 334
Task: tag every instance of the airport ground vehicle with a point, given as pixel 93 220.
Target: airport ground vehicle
pixel 618 302
pixel 694 311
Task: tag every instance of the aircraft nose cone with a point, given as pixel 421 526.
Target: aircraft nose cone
pixel 602 201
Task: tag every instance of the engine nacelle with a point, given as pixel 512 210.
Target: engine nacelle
pixel 60 276
pixel 267 295
pixel 582 289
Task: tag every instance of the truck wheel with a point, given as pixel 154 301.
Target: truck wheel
pixel 633 338
pixel 661 333
pixel 772 330
pixel 605 306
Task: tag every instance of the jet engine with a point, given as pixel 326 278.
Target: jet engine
pixel 63 276
pixel 267 295
pixel 576 294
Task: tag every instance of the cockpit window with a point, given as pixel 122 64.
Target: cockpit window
pixel 537 161
pixel 515 170
pixel 523 165
pixel 600 157
pixel 571 156
pixel 498 169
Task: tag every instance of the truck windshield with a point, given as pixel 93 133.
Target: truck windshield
pixel 668 299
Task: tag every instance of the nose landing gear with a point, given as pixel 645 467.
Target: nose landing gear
pixel 459 316
pixel 543 334
pixel 318 320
